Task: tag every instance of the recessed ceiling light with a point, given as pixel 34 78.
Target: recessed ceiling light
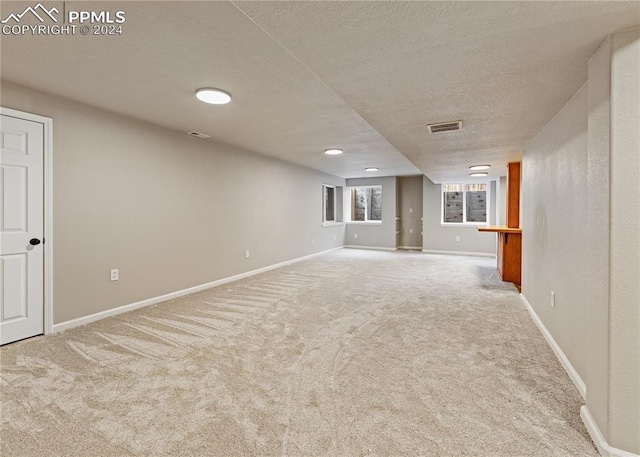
pixel 479 167
pixel 479 174
pixel 333 152
pixel 213 96
pixel 371 169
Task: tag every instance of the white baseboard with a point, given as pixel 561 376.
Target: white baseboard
pixel 599 440
pixel 564 361
pixel 411 248
pixel 373 248
pixel 476 254
pixel 151 301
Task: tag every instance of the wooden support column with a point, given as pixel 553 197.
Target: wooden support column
pixel 510 237
pixel 513 194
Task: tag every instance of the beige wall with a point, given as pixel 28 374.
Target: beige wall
pixel 598 169
pixel 375 235
pixel 168 210
pixel 410 211
pixel 437 237
pixel 581 235
pixel 554 225
pixel 624 309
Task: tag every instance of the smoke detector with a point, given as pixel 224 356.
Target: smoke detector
pixel 444 126
pixel 197 134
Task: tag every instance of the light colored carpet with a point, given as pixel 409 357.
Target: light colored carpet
pixel 352 353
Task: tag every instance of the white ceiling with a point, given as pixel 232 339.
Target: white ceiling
pixel 363 76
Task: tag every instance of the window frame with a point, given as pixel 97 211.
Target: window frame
pixel 464 222
pixel 326 222
pixel 348 206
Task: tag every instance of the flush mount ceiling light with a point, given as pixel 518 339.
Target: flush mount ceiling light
pixel 479 174
pixel 333 152
pixel 479 167
pixel 371 169
pixel 213 96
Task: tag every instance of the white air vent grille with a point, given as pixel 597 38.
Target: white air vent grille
pixel 445 126
pixel 198 134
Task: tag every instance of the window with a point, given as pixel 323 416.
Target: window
pixel 465 204
pixel 328 203
pixel 366 204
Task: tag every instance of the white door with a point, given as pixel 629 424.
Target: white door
pixel 21 229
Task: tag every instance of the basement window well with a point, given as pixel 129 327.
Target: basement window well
pixel 465 204
pixel 365 204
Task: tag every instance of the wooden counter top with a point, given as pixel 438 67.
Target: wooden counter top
pixel 498 228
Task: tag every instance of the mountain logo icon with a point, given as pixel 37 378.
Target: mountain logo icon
pixel 34 10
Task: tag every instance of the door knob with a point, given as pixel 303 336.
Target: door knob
pixel 34 241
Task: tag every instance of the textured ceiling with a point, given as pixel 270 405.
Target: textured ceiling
pixel 364 76
pixel 169 49
pixel 504 68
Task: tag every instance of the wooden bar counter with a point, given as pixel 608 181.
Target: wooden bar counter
pixel 509 251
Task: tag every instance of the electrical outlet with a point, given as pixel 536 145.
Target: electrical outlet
pixel 457 238
pixel 553 299
pixel 335 237
pixel 410 230
pixel 246 254
pixel 410 210
pixel 313 242
pixel 355 235
pixel 115 275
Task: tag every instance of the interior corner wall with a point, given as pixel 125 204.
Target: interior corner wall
pixel 410 211
pixel 437 237
pixel 375 235
pixel 624 274
pixel 554 227
pixel 598 170
pixel 168 210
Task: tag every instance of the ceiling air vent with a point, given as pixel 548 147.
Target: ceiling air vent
pixel 444 126
pixel 198 134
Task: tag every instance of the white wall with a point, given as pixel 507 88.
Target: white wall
pixel 437 237
pixel 375 235
pixel 170 211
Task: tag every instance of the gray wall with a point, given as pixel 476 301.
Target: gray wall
pixel 554 227
pixel 170 211
pixel 624 308
pixel 501 197
pixel 410 211
pixel 375 235
pixel 581 235
pixel 437 237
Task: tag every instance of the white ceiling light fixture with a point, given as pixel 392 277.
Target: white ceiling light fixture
pixel 479 174
pixel 213 96
pixel 479 167
pixel 371 169
pixel 333 151
pixel 198 134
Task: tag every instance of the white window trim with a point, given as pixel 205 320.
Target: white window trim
pixel 464 205
pixel 347 210
pixel 331 224
pixel 326 223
